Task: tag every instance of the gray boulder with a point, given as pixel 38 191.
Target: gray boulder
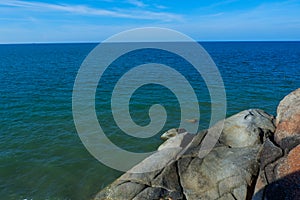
pixel 247 128
pixel 176 171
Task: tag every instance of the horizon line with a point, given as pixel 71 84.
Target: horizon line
pixel 98 42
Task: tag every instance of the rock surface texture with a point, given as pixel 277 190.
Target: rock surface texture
pixel 279 176
pixel 251 160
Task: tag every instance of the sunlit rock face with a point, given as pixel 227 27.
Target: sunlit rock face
pixel 249 161
pixel 247 128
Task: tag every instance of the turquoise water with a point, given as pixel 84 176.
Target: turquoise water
pixel 41 155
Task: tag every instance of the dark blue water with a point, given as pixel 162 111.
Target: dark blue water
pixel 41 155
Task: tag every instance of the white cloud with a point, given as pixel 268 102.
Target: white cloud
pixel 137 3
pixel 221 3
pixel 160 6
pixel 268 21
pixel 86 10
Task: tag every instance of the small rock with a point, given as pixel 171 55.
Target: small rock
pixel 172 133
pixel 180 140
pixel 269 153
pixel 191 120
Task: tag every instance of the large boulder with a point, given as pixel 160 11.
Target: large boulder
pixel 247 128
pixel 279 176
pixel 288 120
pixel 222 173
pixel 176 171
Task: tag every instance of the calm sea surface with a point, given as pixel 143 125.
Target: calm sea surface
pixel 41 155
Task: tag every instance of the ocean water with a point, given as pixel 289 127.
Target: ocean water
pixel 41 155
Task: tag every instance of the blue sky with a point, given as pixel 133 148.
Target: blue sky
pixel 24 21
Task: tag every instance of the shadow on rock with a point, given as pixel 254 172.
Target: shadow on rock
pixel 286 188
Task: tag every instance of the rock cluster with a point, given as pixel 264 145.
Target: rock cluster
pixel 251 160
pixel 279 176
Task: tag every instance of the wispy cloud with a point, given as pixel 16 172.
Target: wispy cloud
pixel 160 6
pixel 137 3
pixel 221 3
pixel 265 21
pixel 29 21
pixel 86 10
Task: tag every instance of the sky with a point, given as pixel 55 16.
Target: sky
pixel 43 21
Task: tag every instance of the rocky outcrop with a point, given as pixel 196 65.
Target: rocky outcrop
pixel 227 172
pixel 279 176
pixel 251 160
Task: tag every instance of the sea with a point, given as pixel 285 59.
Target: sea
pixel 41 154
